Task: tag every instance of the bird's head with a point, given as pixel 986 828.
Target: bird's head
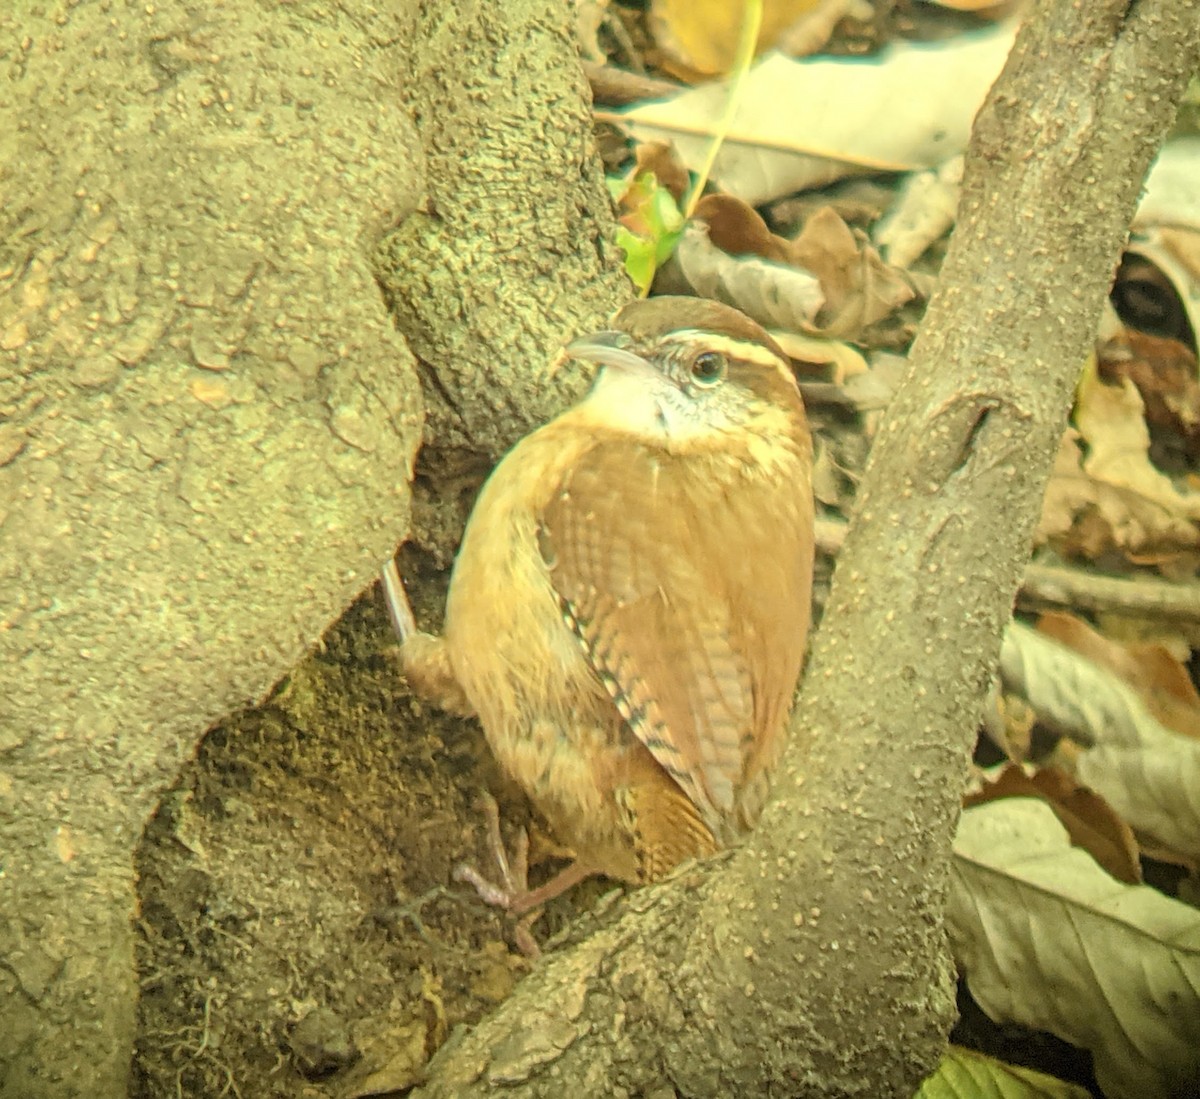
pixel 682 371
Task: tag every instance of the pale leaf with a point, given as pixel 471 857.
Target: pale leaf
pixel 1172 197
pixel 1048 940
pixel 847 361
pixel 806 123
pixel 1150 668
pixel 1111 420
pixel 860 289
pixel 1147 772
pixel 923 213
pixel 1090 821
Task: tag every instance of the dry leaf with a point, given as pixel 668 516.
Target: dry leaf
pixel 1008 723
pixel 807 123
pixel 1147 772
pixel 590 16
pixel 1112 496
pixel 1160 680
pixel 661 159
pixel 1048 940
pixel 846 361
pixel 1111 420
pixel 923 212
pixel 729 253
pixel 812 31
pixel 1086 518
pixel 1089 820
pixel 1163 371
pixel 736 227
pixel 860 289
pixel 1171 196
pixel 777 295
pixel 698 38
pixel 827 478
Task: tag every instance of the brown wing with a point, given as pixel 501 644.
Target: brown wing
pixel 688 590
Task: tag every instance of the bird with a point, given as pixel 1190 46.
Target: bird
pixel 629 606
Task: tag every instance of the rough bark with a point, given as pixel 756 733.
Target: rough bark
pixel 513 249
pixel 812 961
pixel 206 422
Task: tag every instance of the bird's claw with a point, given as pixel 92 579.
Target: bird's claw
pixel 512 892
pixel 513 886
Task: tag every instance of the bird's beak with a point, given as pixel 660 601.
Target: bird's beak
pixel 609 349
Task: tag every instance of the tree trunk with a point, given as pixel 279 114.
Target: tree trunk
pixel 207 418
pixel 513 249
pixel 200 427
pixel 812 961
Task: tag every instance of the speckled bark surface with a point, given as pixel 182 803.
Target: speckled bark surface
pixel 206 425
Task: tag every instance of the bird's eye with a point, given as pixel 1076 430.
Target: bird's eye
pixel 708 368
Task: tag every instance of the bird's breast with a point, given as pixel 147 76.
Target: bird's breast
pixel 510 647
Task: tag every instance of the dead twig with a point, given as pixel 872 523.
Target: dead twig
pixel 1081 589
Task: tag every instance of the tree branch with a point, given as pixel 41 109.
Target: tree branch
pixel 812 962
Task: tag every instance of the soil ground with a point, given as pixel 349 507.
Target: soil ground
pixel 300 932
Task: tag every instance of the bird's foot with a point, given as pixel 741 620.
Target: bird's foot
pixel 512 892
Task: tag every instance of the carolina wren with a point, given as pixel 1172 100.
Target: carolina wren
pixel 629 608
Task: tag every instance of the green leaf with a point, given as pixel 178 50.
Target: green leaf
pixel 651 225
pixel 965 1074
pixel 640 262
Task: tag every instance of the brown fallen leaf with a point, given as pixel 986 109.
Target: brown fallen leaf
pixel 1163 371
pixel 736 227
pixel 777 295
pixel 1083 518
pixel 1106 495
pixel 698 38
pixel 859 287
pixel 829 282
pixel 1161 681
pixel 1090 821
pixel 1111 421
pixel 661 159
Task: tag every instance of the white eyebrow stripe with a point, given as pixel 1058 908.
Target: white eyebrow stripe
pixel 745 350
pixel 733 348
